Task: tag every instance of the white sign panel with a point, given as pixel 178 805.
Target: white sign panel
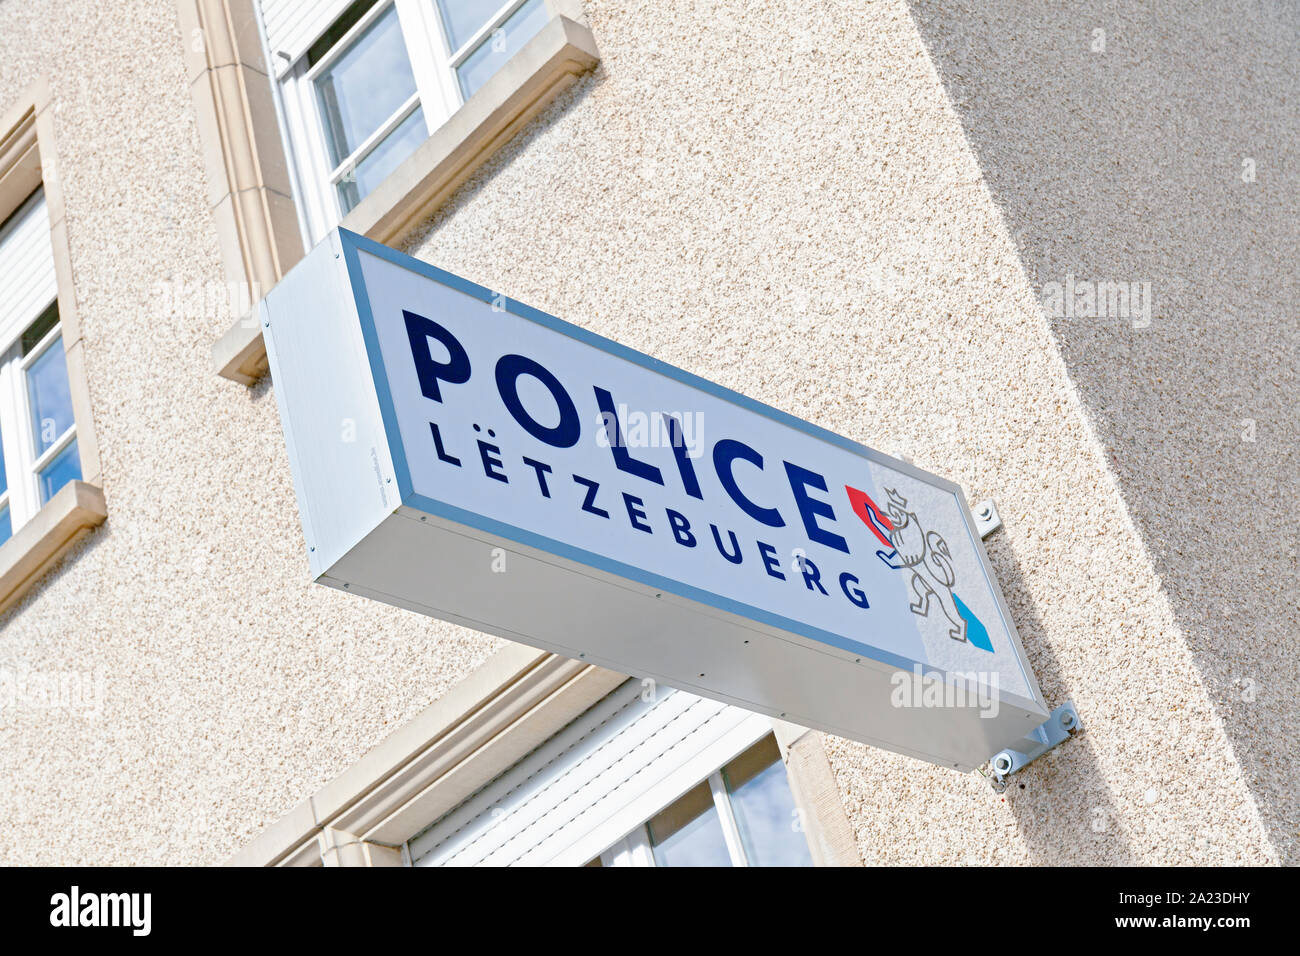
pixel 470 457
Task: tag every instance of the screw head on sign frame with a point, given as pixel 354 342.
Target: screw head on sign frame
pixel 987 519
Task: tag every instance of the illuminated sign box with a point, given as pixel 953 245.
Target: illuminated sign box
pixel 465 456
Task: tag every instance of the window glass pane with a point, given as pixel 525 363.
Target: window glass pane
pixel 6 525
pixel 51 402
pixel 364 87
pixel 764 808
pixel 500 45
pixel 4 478
pixel 65 467
pixel 689 833
pixel 463 18
pixel 382 160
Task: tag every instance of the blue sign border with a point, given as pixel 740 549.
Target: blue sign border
pixel 352 244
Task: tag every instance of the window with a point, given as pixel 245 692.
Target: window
pixel 649 775
pixel 38 435
pixel 378 80
pixel 743 815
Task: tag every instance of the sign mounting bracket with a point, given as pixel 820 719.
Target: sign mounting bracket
pixel 1053 732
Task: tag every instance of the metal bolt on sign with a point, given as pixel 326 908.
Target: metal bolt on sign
pixel 987 519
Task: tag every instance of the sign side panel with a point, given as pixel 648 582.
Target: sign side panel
pixel 342 470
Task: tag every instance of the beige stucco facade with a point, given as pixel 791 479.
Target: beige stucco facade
pixel 847 211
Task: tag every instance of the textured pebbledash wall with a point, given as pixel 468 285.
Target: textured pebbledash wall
pixel 1165 149
pixel 233 688
pixel 786 200
pixel 843 209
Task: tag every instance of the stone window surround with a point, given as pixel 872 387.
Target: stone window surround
pixel 27 161
pixel 249 184
pixel 494 717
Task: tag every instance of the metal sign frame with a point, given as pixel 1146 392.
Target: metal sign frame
pixel 328 366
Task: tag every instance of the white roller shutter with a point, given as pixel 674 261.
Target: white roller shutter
pixel 292 26
pixel 595 781
pixel 27 281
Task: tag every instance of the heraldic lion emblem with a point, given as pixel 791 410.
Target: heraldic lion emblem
pixel 926 555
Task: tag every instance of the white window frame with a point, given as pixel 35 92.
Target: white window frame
pixel 437 91
pixel 22 464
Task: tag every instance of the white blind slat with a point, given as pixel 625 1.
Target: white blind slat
pixel 592 782
pixel 27 280
pixel 292 26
